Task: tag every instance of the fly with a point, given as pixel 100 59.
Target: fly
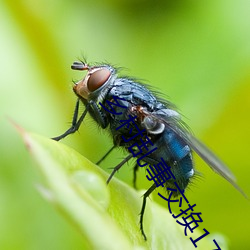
pixel 162 132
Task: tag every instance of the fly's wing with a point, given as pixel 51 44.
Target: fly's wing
pixel 174 123
pixel 212 160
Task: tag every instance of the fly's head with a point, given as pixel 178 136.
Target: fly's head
pixel 95 80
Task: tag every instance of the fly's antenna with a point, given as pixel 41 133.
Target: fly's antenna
pixel 80 66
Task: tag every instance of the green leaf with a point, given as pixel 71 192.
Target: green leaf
pixel 106 215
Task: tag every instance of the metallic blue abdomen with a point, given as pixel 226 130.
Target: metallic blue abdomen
pixel 170 147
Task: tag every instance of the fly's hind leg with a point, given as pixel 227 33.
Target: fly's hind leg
pixel 145 196
pixel 135 169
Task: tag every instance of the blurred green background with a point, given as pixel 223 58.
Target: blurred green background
pixel 196 53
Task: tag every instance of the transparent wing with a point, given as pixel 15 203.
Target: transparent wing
pixel 175 124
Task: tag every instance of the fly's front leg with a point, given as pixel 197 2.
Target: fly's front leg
pixel 145 196
pixel 98 115
pixel 75 124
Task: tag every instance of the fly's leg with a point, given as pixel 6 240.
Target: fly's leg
pixel 75 124
pixel 145 196
pixel 135 169
pixel 116 168
pixel 99 116
pixel 105 155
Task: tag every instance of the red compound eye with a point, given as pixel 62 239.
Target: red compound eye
pixel 97 79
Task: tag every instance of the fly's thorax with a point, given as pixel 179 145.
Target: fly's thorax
pixel 95 84
pixel 152 125
pixel 154 121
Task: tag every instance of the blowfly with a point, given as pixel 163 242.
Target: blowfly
pixel 148 127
